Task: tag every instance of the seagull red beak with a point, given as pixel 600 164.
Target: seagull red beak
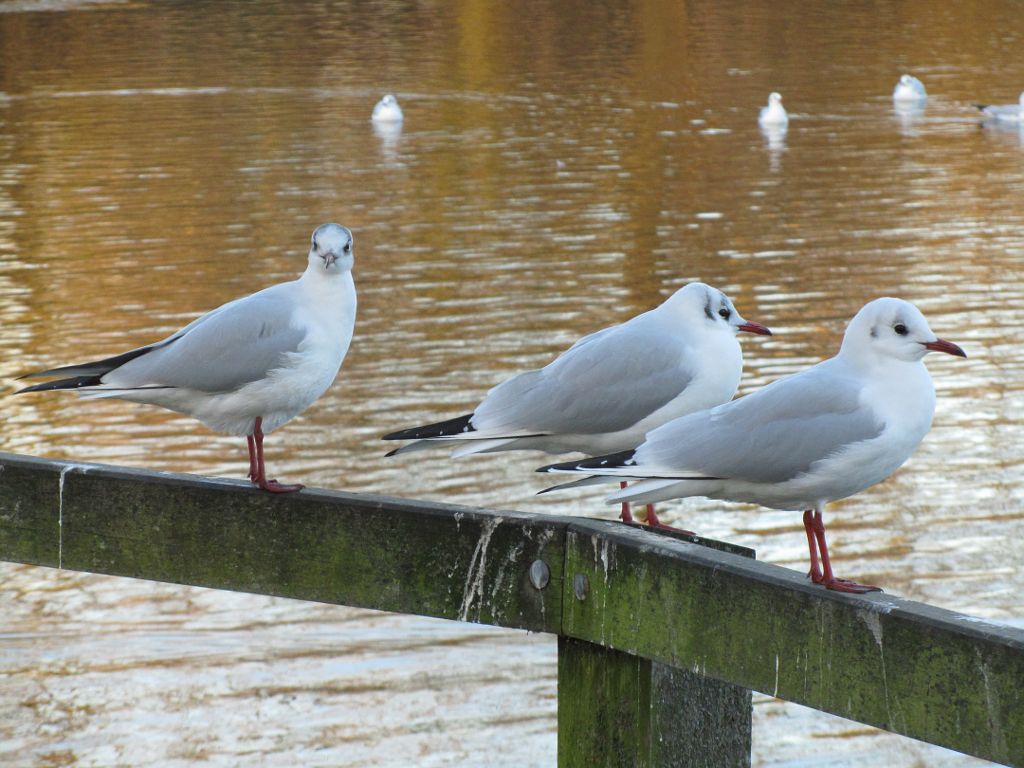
pixel 757 328
pixel 329 258
pixel 941 345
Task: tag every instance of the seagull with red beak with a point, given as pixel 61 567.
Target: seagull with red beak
pixel 610 388
pixel 823 434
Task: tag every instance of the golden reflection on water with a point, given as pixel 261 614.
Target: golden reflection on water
pixel 559 170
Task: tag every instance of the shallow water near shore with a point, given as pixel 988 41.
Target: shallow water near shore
pixel 559 169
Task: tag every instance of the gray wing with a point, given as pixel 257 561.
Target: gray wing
pixel 769 436
pixel 606 382
pixel 233 345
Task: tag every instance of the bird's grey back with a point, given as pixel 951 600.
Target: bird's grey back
pixel 771 435
pixel 235 344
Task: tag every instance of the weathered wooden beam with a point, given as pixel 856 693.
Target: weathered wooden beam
pixel 909 668
pixel 30 510
pixel 374 552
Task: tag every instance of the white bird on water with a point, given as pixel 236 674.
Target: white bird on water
pixel 774 114
pixel 610 388
pixel 1004 113
pixel 825 433
pixel 387 111
pixel 909 90
pixel 248 366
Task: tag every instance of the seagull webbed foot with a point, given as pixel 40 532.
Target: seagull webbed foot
pixel 272 486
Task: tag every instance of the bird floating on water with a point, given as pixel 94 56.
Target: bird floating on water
pixel 774 114
pixel 387 110
pixel 610 388
pixel 909 90
pixel 248 366
pixel 1004 113
pixel 822 434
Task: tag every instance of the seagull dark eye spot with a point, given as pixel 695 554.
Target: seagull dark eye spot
pixel 724 313
pixel 901 329
pixel 348 247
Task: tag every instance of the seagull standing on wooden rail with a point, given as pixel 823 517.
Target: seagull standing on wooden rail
pixel 610 388
pixel 248 366
pixel 825 433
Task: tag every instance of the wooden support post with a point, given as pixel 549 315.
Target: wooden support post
pixel 616 710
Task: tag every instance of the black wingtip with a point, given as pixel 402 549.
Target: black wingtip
pixel 566 466
pixel 73 383
pixel 608 461
pixel 390 453
pixel 456 426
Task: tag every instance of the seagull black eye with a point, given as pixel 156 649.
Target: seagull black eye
pixel 348 247
pixel 901 329
pixel 314 246
pixel 724 313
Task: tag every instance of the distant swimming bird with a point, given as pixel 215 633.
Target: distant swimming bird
pixel 248 366
pixel 387 111
pixel 610 388
pixel 825 433
pixel 909 90
pixel 1007 113
pixel 774 113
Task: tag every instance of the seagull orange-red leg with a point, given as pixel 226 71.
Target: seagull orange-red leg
pixel 256 439
pixel 828 579
pixel 625 515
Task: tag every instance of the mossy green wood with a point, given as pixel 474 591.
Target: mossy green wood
pixel 30 511
pixel 616 710
pixel 604 707
pixel 906 667
pixel 375 552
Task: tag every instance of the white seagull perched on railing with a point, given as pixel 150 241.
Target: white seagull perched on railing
pixel 248 366
pixel 909 90
pixel 610 388
pixel 1004 113
pixel 773 115
pixel 825 433
pixel 387 111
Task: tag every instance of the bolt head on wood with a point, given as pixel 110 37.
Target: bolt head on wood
pixel 580 586
pixel 540 574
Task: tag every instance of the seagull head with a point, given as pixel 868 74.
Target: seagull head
pixel 387 110
pixel 331 249
pixel 775 98
pixel 893 328
pixel 716 309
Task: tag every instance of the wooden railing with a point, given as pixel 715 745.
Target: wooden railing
pixel 661 639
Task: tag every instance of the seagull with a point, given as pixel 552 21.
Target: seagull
pixel 1006 113
pixel 248 366
pixel 909 90
pixel 387 111
pixel 774 113
pixel 822 434
pixel 610 388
